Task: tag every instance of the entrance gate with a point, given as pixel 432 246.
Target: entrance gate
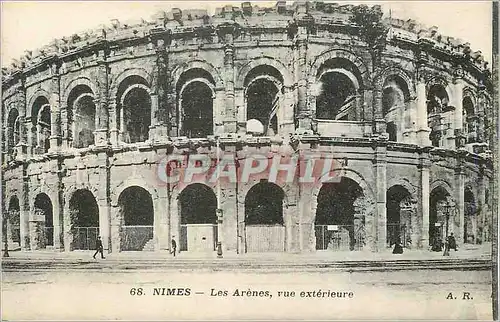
pixel 265 238
pixel 85 237
pixel 199 237
pixel 339 237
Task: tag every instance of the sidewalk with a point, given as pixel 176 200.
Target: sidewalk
pixel 468 252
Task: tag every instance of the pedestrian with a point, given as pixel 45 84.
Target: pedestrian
pixel 174 247
pixel 99 248
pixel 398 248
pixel 452 243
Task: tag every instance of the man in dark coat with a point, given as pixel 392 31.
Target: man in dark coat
pixel 398 248
pixel 174 247
pixel 99 248
pixel 452 243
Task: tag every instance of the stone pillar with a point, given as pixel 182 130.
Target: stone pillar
pixel 410 132
pixel 458 115
pixel 380 123
pixel 423 129
pixel 287 113
pixel 116 222
pixel 423 205
pixel 21 145
pixel 230 116
pixel 303 111
pixel 481 113
pixel 103 201
pixel 57 220
pixel 54 109
pixel 161 108
pixel 460 201
pixel 380 167
pixel 113 126
pixel 161 224
pixel 102 112
pixel 24 218
pixel 230 221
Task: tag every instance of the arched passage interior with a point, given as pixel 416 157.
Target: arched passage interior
pixel 441 215
pixel 84 219
pixel 196 103
pixel 337 226
pixel 197 206
pixel 263 93
pixel 400 217
pixel 44 221
pixel 470 218
pixel 264 222
pixel 137 214
pixel 12 224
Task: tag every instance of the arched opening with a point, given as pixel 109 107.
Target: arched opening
pixel 13 225
pixel 40 117
pixel 394 97
pixel 400 216
pixel 12 130
pixel 339 82
pixel 264 224
pixel 134 110
pixel 337 225
pixel 43 221
pixel 337 99
pixel 263 94
pixel 197 206
pixel 84 219
pixel 137 213
pixel 470 120
pixel 81 114
pixel 441 216
pixel 437 103
pixel 470 220
pixel 262 103
pixel 84 125
pixel 197 110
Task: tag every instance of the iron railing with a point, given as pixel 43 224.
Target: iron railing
pixel 397 233
pixel 49 236
pixel 85 238
pixel 134 238
pixel 339 237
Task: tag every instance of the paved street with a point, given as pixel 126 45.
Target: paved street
pixel 99 294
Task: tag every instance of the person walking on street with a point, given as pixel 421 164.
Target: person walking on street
pixel 99 248
pixel 174 247
pixel 452 243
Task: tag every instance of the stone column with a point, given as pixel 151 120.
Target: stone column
pixel 410 132
pixel 116 222
pixel 380 123
pixel 54 109
pixel 230 221
pixel 423 204
pixel 24 219
pixel 303 112
pixel 380 167
pixel 423 129
pixel 21 145
pixel 103 201
pixel 459 111
pixel 113 126
pixel 227 31
pixel 460 201
pixel 287 113
pixel 161 107
pixel 161 224
pixel 102 112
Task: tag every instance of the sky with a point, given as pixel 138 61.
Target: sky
pixel 30 25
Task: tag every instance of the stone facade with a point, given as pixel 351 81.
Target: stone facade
pixel 403 110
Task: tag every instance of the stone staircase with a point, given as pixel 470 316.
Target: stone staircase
pixel 149 246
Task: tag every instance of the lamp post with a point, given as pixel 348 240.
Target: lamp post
pixel 219 210
pixel 5 239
